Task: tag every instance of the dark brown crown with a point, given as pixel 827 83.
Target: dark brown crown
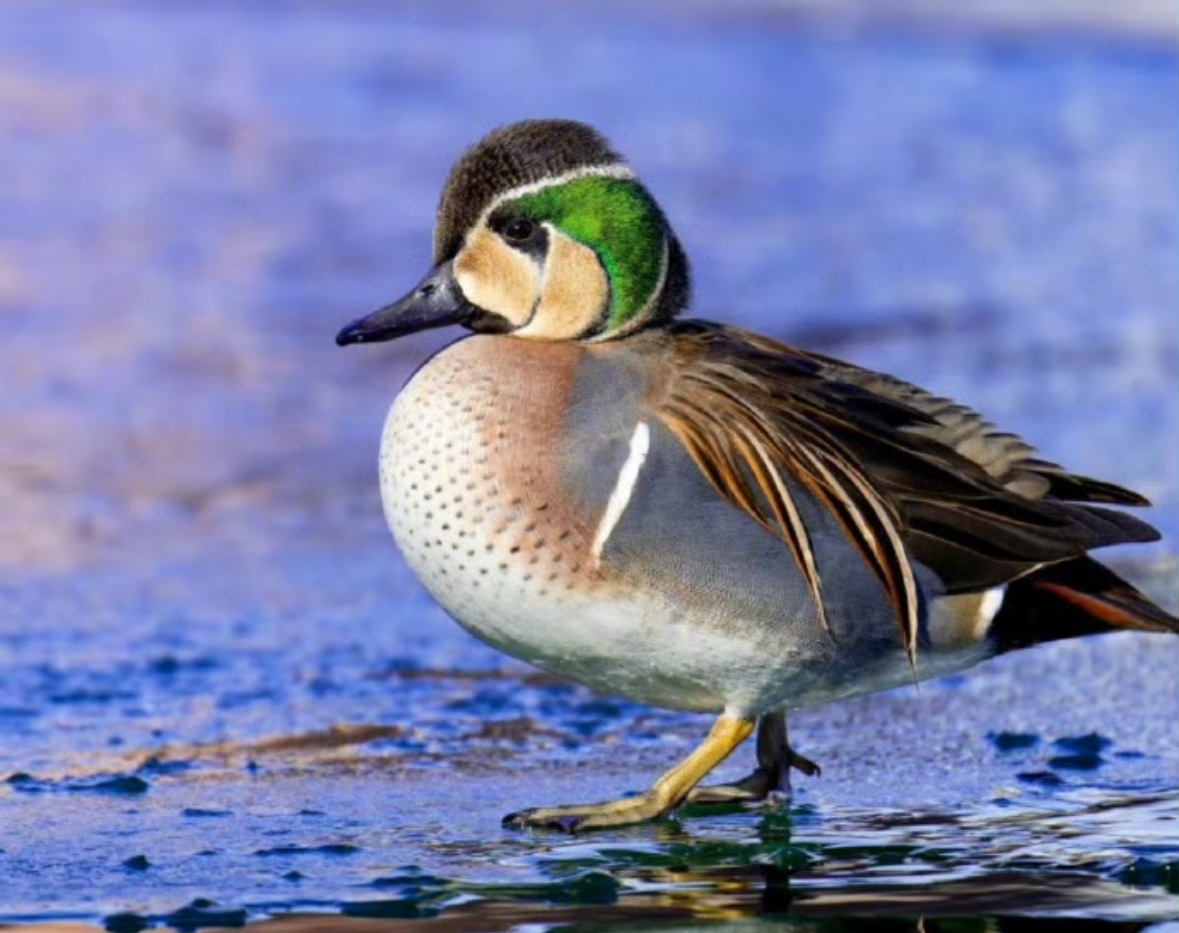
pixel 513 155
pixel 528 152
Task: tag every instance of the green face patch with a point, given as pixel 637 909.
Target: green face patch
pixel 619 221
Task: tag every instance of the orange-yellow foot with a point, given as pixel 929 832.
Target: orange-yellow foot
pixel 668 792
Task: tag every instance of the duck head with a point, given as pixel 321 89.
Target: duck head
pixel 545 233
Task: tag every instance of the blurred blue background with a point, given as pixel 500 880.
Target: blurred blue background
pixel 194 572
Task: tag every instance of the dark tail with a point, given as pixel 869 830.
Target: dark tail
pixel 1070 599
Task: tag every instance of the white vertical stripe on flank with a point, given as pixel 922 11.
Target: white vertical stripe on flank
pixel 628 476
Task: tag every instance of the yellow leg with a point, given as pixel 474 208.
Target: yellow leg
pixel 775 758
pixel 664 796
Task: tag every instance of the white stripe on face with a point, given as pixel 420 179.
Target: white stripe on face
pixel 611 170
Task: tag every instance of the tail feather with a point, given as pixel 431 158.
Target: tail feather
pixel 1074 598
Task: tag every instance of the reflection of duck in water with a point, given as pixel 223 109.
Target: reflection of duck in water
pixel 691 515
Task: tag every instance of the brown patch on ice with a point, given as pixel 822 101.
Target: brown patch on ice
pixel 340 741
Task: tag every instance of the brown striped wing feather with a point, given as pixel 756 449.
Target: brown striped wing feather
pixel 904 473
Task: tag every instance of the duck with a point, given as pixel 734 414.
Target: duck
pixel 691 515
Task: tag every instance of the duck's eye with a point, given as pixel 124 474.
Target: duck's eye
pixel 519 231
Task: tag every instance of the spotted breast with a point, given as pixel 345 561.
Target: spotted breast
pixel 557 520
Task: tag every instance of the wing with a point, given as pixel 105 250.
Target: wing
pixel 1006 457
pixel 902 471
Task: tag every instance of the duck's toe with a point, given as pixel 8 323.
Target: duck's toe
pixel 755 788
pixel 575 819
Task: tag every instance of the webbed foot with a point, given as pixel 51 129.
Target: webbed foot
pixel 574 819
pixel 668 792
pixel 770 782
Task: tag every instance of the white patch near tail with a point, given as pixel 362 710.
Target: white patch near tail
pixel 628 476
pixel 965 619
pixel 988 608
